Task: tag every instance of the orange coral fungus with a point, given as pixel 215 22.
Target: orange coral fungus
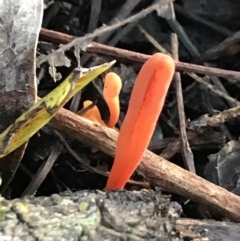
pixel 146 103
pixel 92 114
pixel 112 88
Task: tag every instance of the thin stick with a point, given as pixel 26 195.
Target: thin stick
pixel 213 89
pixel 123 12
pixel 43 171
pixel 195 17
pixel 186 151
pixel 228 46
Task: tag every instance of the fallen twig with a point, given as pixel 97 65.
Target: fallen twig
pixel 155 169
pixel 127 55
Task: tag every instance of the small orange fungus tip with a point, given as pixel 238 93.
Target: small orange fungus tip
pixel 92 114
pixel 111 91
pixel 145 105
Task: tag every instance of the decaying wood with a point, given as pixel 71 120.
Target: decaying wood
pixel 132 56
pixel 155 169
